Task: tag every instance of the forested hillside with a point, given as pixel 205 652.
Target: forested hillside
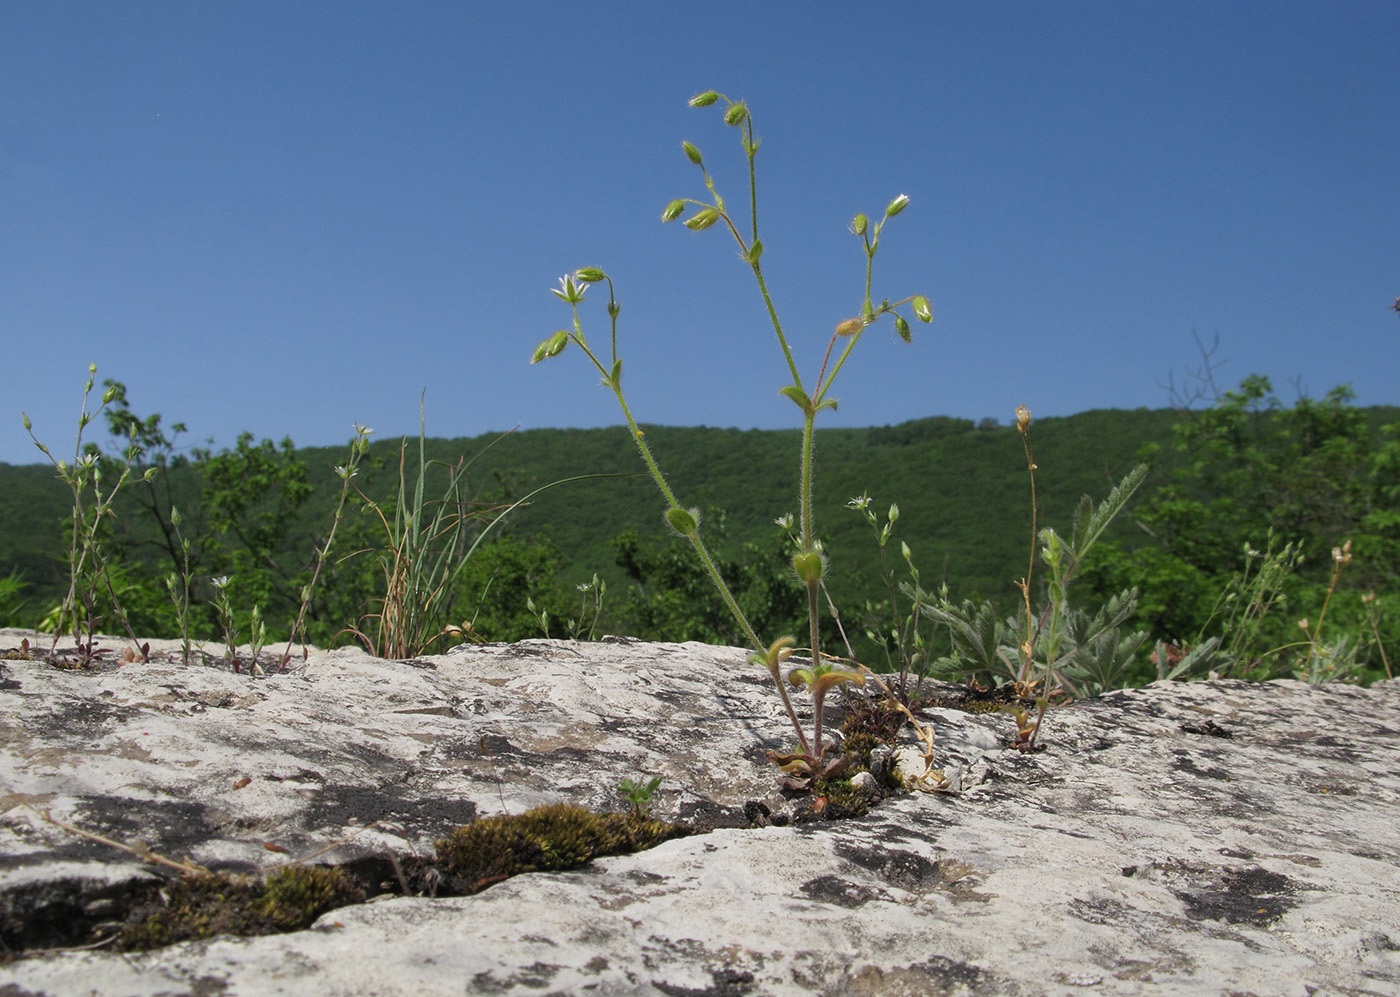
pixel 257 514
pixel 963 492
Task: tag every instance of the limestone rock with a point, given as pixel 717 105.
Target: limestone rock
pixel 1208 838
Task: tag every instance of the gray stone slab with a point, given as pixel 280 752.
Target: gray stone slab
pixel 1209 838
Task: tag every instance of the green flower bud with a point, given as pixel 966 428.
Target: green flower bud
pixel 859 224
pixel 922 311
pixel 686 522
pixel 736 114
pixel 692 153
pixel 551 347
pixel 25 417
pixel 590 275
pixel 704 99
pixel 809 566
pixel 702 219
pixel 673 210
pixel 901 326
pixel 897 205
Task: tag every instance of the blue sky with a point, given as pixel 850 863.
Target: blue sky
pixel 290 217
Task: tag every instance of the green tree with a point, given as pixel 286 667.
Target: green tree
pixel 672 597
pixel 1250 472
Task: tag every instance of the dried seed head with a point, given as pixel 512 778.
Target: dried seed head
pixel 1023 418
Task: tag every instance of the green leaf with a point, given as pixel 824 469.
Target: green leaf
pixel 798 396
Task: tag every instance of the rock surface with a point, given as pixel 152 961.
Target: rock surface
pixel 1208 838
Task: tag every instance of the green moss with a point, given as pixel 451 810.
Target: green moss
pixel 843 799
pixel 195 907
pixel 294 897
pixel 553 837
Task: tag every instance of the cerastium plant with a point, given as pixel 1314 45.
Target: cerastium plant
pixel 810 560
pixel 89 574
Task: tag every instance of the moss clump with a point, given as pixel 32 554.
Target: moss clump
pixel 195 907
pixel 553 837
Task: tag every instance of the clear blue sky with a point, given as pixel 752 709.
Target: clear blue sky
pixel 290 217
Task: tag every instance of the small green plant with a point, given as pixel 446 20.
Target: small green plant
pixel 901 636
pixel 590 608
pixel 810 560
pixel 257 638
pixel 226 619
pixel 639 794
pixel 427 546
pixel 1334 661
pixel 359 446
pixel 1373 620
pixel 89 568
pixel 177 583
pixel 1244 605
pixel 1062 650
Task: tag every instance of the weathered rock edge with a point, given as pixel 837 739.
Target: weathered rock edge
pixel 1184 839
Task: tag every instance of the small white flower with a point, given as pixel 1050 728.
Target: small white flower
pixel 568 290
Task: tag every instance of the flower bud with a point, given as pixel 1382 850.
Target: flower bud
pixel 897 205
pixel 691 153
pixel 704 99
pixel 24 416
pixel 551 347
pixel 702 219
pixel 859 224
pixel 922 311
pixel 850 327
pixel 686 522
pixel 736 114
pixel 901 326
pixel 673 210
pixel 590 275
pixel 809 566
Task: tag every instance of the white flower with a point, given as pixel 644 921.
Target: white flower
pixel 568 290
